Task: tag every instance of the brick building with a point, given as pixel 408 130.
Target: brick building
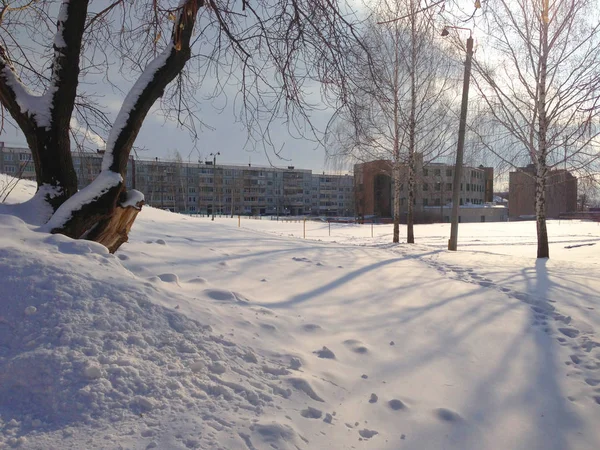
pixel 561 193
pixel 374 188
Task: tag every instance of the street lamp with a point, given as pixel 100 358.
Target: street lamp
pixel 453 241
pixel 214 155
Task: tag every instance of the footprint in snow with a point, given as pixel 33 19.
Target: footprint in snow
pixel 367 434
pixel 295 258
pixel 198 280
pixel 569 332
pixel 224 296
pixel 169 278
pixel 447 415
pixel 356 346
pixel 311 413
pixel 325 353
pixel 396 404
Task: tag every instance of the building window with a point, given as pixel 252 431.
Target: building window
pixel 425 202
pixel 448 186
pixel 468 186
pixel 437 172
pixel 9 169
pixel 24 156
pixel 8 157
pixel 438 186
pixel 448 172
pixel 425 187
pixel 425 172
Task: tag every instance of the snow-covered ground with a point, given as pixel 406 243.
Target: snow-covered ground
pixel 202 334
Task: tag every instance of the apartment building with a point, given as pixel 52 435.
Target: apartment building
pixel 332 195
pixel 202 187
pixel 374 188
pixel 561 193
pixel 16 162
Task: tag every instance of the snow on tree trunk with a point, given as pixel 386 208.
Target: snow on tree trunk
pixel 96 211
pixel 45 119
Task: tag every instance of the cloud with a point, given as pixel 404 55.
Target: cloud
pixel 86 134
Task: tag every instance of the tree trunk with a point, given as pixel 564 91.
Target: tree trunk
pixel 46 123
pixel 396 178
pixel 410 234
pixel 541 166
pixel 412 129
pixel 540 209
pixel 115 231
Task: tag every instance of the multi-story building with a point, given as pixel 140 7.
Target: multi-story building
pixel 332 195
pixel 374 188
pixel 16 162
pixel 561 193
pixel 203 187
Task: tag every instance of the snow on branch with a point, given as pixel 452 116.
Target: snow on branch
pixel 131 101
pixel 37 110
pixel 149 87
pixel 21 104
pixel 103 183
pixel 60 94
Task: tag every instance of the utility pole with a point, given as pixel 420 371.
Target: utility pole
pixel 214 155
pixel 453 241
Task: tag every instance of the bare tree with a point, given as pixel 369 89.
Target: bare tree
pixel 540 80
pixel 268 49
pixel 402 108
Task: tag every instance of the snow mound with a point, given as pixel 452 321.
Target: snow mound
pixel 83 344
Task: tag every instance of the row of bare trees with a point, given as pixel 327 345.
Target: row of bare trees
pixel 536 77
pixel 404 104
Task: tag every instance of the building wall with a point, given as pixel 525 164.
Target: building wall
pixel 561 193
pixel 469 214
pixel 434 183
pixel 203 188
pixel 332 195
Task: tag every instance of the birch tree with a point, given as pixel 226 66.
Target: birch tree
pixel 540 80
pixel 267 49
pixel 404 103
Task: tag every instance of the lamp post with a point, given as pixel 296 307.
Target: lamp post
pixel 452 242
pixel 214 155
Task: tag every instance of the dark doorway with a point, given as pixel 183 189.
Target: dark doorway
pixel 383 195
